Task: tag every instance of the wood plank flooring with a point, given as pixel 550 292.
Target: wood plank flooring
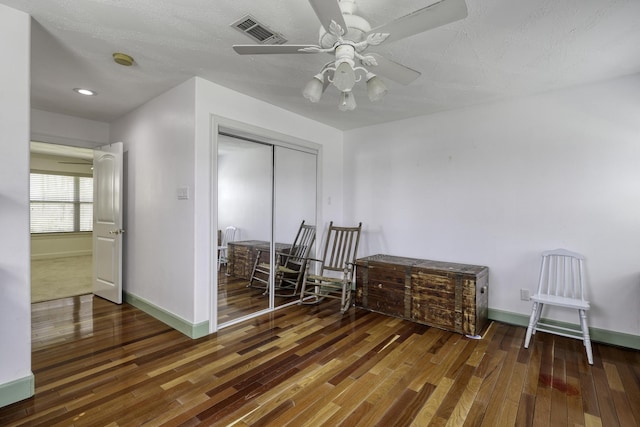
pixel 99 364
pixel 236 300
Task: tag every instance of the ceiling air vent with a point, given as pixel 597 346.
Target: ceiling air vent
pixel 258 32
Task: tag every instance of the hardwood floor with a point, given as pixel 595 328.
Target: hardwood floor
pixel 99 364
pixel 236 300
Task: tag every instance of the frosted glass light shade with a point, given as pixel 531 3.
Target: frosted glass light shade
pixel 344 77
pixel 347 102
pixel 313 90
pixel 376 89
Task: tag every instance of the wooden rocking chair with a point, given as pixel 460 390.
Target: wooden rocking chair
pixel 290 265
pixel 335 270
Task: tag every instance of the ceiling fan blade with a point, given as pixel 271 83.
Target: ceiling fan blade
pixel 260 49
pixel 393 71
pixel 327 11
pixel 427 18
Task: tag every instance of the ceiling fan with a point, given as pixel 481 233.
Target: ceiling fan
pixel 347 36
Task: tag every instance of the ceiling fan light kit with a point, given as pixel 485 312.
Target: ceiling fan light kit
pixel 376 89
pixel 313 90
pixel 347 102
pixel 346 36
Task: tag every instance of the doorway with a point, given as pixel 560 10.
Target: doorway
pixel 61 193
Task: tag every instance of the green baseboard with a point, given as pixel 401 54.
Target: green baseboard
pixel 597 335
pixel 17 390
pixel 189 329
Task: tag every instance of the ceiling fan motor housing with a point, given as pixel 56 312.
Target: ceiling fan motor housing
pixel 357 27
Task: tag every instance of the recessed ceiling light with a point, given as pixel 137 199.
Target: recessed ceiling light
pixel 85 92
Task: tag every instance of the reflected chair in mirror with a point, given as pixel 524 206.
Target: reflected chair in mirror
pixel 290 265
pixel 561 285
pixel 332 276
pixel 228 236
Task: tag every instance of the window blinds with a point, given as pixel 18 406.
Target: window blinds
pixel 61 203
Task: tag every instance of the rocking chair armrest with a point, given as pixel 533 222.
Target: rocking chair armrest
pixel 278 253
pixel 283 254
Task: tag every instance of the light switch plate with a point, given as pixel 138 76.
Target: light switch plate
pixel 183 193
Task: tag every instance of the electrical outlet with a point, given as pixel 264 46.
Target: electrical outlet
pixel 524 295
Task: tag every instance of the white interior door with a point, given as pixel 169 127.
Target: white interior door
pixel 107 222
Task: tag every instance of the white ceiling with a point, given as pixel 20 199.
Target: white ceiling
pixel 503 49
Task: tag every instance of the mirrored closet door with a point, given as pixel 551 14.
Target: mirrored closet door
pixel 265 192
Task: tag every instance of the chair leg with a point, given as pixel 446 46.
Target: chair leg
pixel 585 335
pixel 345 298
pixel 304 294
pixel 533 320
pixel 538 314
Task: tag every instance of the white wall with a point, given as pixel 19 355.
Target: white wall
pixel 158 158
pixel 495 185
pixel 16 380
pixel 68 130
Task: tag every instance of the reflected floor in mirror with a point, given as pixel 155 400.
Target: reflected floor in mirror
pixel 236 299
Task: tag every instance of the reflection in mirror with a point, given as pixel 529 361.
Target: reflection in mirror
pixel 295 201
pixel 254 180
pixel 245 176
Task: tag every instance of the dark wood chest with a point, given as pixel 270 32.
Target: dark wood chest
pixel 242 255
pixel 446 295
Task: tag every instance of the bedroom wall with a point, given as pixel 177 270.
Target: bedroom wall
pixel 61 129
pixel 158 159
pixel 16 379
pixel 497 184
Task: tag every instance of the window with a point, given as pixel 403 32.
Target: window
pixel 61 203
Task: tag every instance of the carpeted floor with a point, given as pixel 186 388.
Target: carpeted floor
pixel 61 277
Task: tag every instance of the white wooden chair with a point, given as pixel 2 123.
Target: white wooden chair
pixel 561 284
pixel 228 236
